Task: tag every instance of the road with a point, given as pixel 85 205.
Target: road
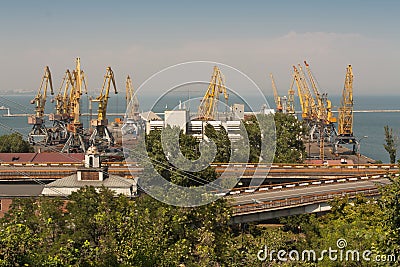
pixel 263 196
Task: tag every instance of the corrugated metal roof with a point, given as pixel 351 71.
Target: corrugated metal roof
pixel 69 184
pixel 113 181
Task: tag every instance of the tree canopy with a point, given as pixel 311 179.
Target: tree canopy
pixel 101 229
pixel 287 135
pixel 14 143
pixel 390 145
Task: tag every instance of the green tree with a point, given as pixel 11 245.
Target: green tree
pixel 97 228
pixel 390 146
pixel 32 226
pixel 390 206
pixel 222 142
pixel 288 135
pixel 290 131
pixel 188 149
pixel 14 143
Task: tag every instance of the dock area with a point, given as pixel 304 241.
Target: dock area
pixel 343 154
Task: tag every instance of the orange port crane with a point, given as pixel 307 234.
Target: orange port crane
pixel 277 98
pixel 75 140
pixel 39 133
pixel 101 131
pixel 208 109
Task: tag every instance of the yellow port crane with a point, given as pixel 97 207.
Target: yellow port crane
pixel 324 104
pixel 277 98
pixel 132 101
pixel 58 133
pixel 101 131
pixel 313 109
pixel 321 114
pixel 132 124
pixel 208 109
pixel 63 99
pixel 75 140
pixel 324 125
pixel 306 100
pixel 290 101
pixel 345 125
pixel 39 133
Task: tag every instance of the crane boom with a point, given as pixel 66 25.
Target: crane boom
pixel 321 114
pixel 324 104
pixel 76 93
pixel 277 98
pixel 102 99
pixel 104 94
pixel 346 109
pixel 75 127
pixel 62 98
pixel 209 104
pixel 101 131
pixel 132 101
pixel 39 133
pixel 312 107
pixel 41 96
pixel 290 101
pixel 306 112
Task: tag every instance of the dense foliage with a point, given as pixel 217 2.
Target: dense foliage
pixel 287 135
pixel 162 159
pixel 99 229
pixel 289 143
pixel 14 143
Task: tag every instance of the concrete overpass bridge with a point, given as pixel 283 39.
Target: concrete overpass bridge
pixel 264 203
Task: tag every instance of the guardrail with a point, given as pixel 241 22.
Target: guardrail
pixel 297 201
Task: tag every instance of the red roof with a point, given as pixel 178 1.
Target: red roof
pixel 58 157
pixel 16 157
pixel 42 157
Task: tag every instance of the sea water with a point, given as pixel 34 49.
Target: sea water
pixel 369 124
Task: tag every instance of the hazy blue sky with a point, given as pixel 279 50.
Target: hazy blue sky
pixel 257 37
